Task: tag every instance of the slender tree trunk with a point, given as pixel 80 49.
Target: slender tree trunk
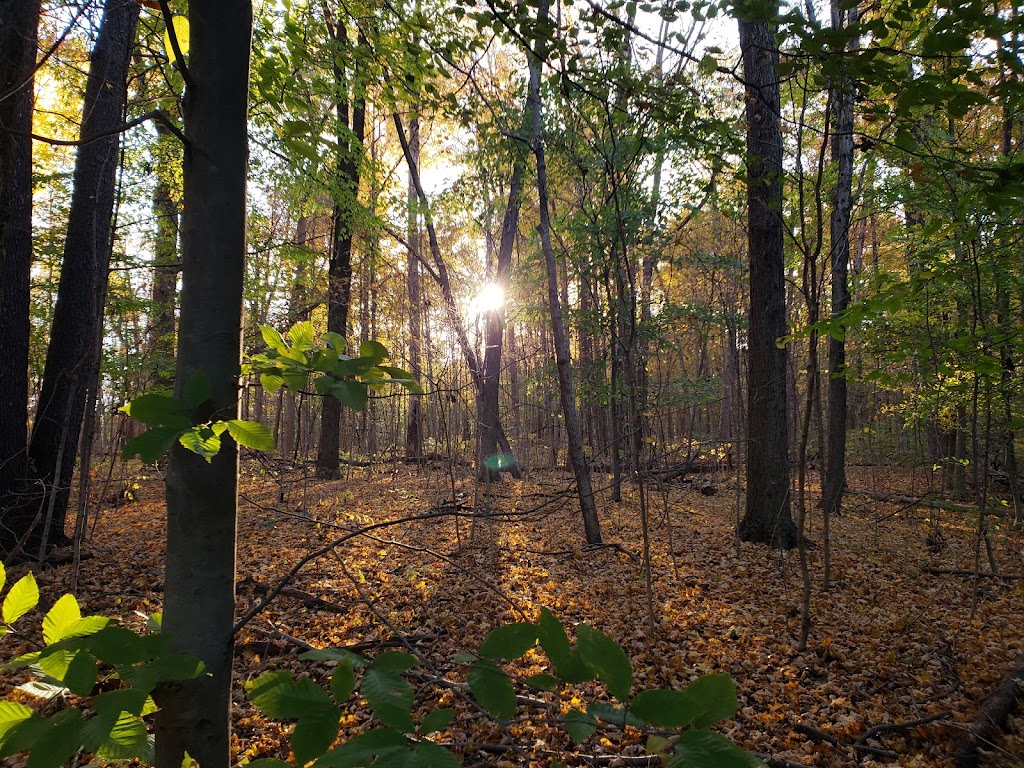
pixel 768 519
pixel 199 586
pixel 566 385
pixel 166 265
pixel 84 269
pixel 414 423
pixel 339 273
pixel 18 24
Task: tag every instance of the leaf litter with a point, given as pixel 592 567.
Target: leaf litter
pixel 891 643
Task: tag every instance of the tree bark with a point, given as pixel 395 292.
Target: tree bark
pixel 768 519
pixel 18 27
pixel 199 587
pixel 339 272
pixel 414 423
pixel 566 384
pixel 86 263
pixel 165 261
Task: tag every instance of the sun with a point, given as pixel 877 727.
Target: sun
pixel 490 299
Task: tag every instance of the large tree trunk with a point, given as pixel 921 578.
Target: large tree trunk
pixel 767 519
pixel 566 385
pixel 18 24
pixel 339 272
pixel 84 269
pixel 199 587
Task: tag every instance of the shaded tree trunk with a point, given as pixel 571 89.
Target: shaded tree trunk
pixel 339 272
pixel 566 385
pixel 165 264
pixel 18 27
pixel 85 266
pixel 199 587
pixel 768 519
pixel 414 423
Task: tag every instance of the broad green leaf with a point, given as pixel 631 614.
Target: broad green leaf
pixel 555 643
pixel 22 735
pixel 301 335
pixel 436 721
pixel 251 434
pixel 388 693
pixel 350 393
pixel 607 659
pixel 614 715
pixel 151 444
pixel 197 389
pixel 156 410
pixel 129 700
pixel 55 660
pixel 374 350
pixel 270 382
pixel 63 614
pixel 58 744
pixel 360 750
pixel 117 645
pixel 714 697
pixel 295 380
pixel 509 641
pixel 579 725
pixel 23 597
pixel 87 625
pixel 492 689
pixel 202 441
pixel 343 681
pixel 316 730
pixel 11 714
pixel 276 695
pixel 427 754
pixel 129 739
pixel 181 33
pixel 166 668
pixel 705 748
pixel 273 338
pixel 81 673
pixel 335 341
pixel 464 657
pixel 3 577
pixel 542 682
pixel 664 708
pixel 708 65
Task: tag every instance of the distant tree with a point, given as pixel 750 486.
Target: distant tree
pixel 768 519
pixel 78 312
pixel 19 21
pixel 199 585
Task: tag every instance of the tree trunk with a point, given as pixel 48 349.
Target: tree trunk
pixel 18 25
pixel 199 587
pixel 165 262
pixel 86 262
pixel 339 273
pixel 566 385
pixel 414 423
pixel 767 519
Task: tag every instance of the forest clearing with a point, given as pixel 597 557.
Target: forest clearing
pixel 892 643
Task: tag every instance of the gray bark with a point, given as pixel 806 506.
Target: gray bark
pixel 199 587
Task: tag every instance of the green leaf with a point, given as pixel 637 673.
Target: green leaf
pixel 715 698
pixel 59 743
pixel 276 695
pixel 271 382
pixel 359 751
pixel 268 762
pixel 295 380
pixel 129 700
pixel 129 739
pixel 11 714
pixel 167 667
pixel 117 645
pixel 607 659
pixel 181 33
pixel 492 689
pixel 156 410
pixel 3 577
pixel 55 660
pixel 350 393
pixel 542 682
pixel 22 736
pixel 151 444
pixel 390 695
pixel 251 434
pixel 614 715
pixel 464 657
pixel 555 643
pixel 87 625
pixel 23 597
pixel 335 341
pixel 62 615
pixel 316 730
pixel 333 654
pixel 81 673
pixel 301 335
pixel 197 389
pixel 343 681
pixel 202 441
pixel 708 65
pixel 708 749
pixel 273 338
pixel 427 754
pixel 509 641
pixel 436 721
pixel 579 725
pixel 374 350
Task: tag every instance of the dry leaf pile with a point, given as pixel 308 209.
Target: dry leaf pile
pixel 892 643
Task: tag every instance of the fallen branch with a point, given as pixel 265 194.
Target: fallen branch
pixel 924 501
pixel 993 712
pixel 312 601
pixel 972 574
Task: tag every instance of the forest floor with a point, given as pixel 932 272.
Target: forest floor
pixel 891 643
